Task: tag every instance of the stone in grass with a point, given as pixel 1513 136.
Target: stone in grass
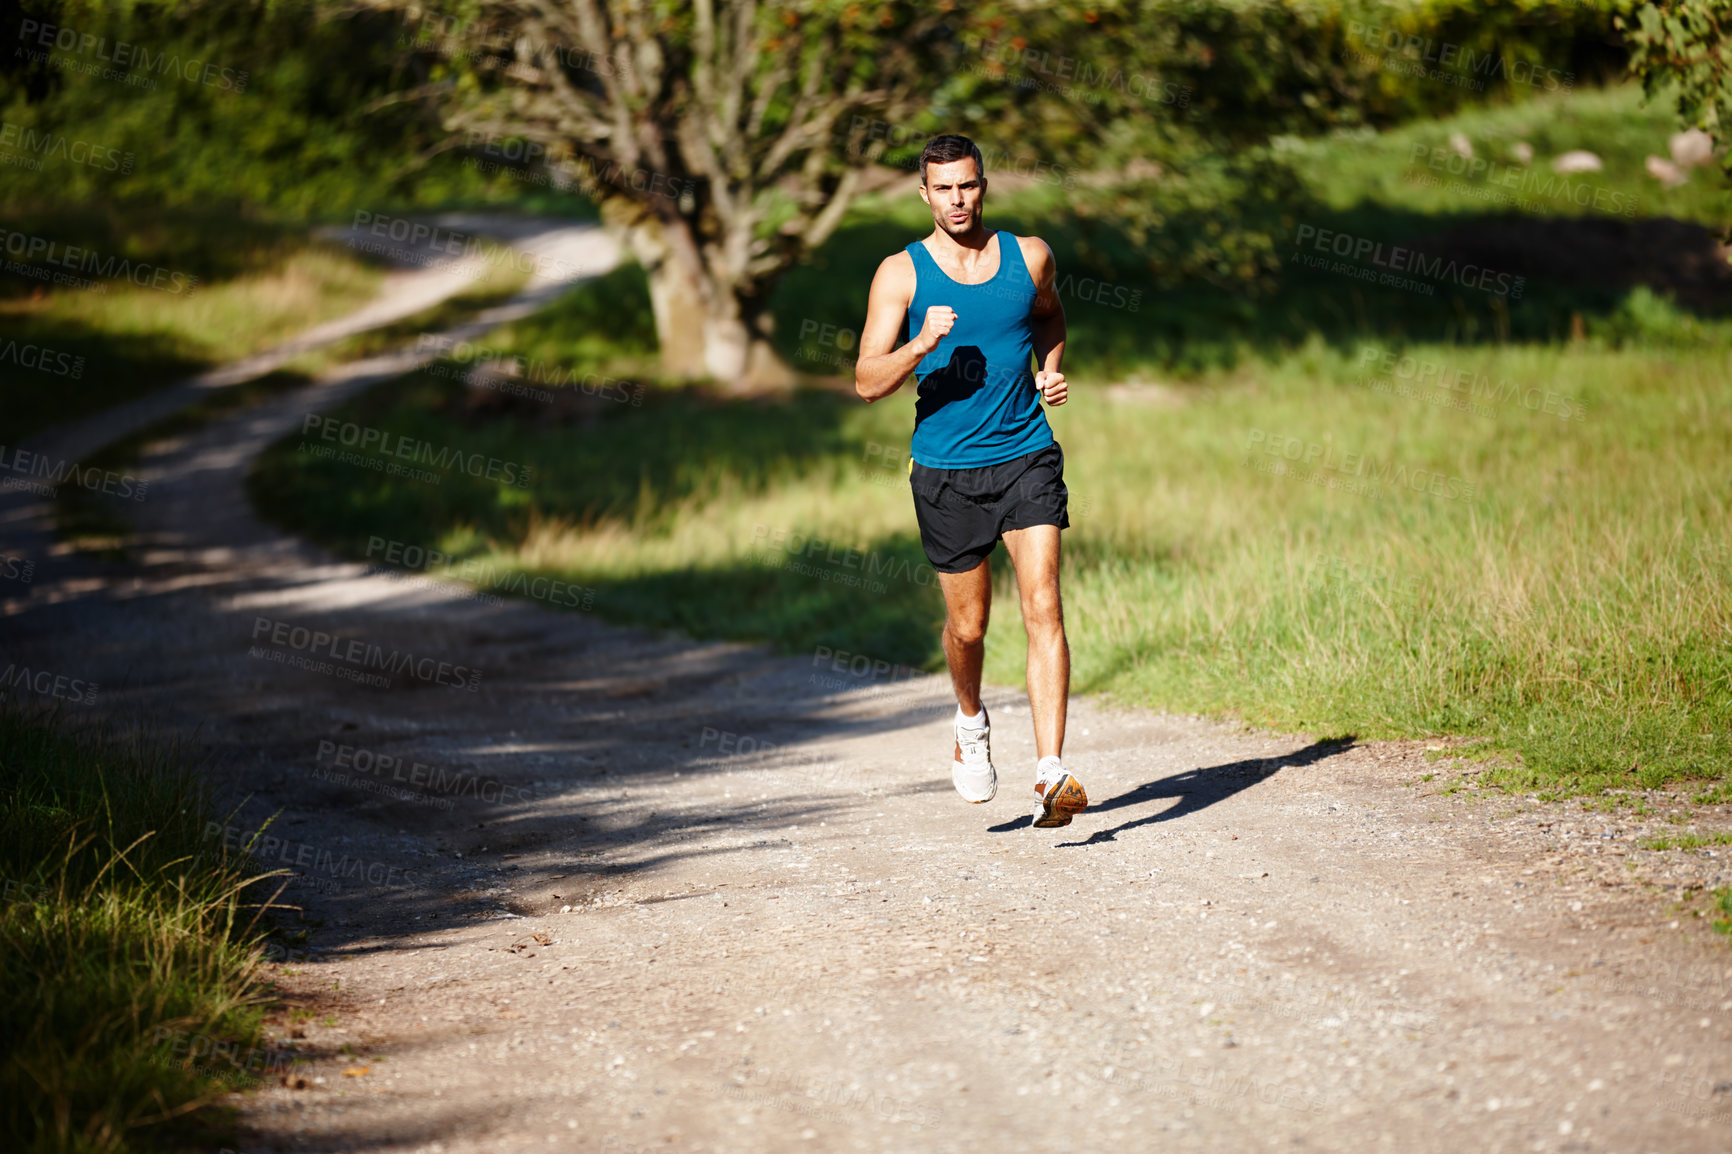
pixel 1577 160
pixel 1522 152
pixel 1668 174
pixel 1461 145
pixel 1691 148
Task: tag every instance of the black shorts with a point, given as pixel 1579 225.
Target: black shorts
pixel 963 512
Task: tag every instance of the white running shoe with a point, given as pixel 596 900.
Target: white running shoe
pixel 971 772
pixel 1060 800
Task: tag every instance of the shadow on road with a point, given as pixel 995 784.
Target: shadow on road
pixel 1196 789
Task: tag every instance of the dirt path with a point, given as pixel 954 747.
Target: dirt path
pixel 620 892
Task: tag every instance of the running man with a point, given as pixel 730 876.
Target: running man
pixel 979 304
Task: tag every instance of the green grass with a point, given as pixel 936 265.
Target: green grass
pixel 501 279
pixel 1719 794
pixel 1391 168
pixel 1687 841
pixel 606 326
pixel 1723 904
pixel 129 967
pixel 259 284
pixel 96 524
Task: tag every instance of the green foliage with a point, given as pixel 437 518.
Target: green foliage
pixel 128 970
pixel 300 107
pixel 315 110
pixel 1220 221
pixel 1122 78
pixel 1683 48
pixel 263 103
pixel 1183 97
pixel 1242 71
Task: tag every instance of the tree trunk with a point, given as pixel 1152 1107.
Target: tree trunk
pixel 704 330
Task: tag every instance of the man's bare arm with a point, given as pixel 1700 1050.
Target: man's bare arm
pixel 882 366
pixel 1046 322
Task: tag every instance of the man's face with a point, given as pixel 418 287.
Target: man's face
pixel 955 191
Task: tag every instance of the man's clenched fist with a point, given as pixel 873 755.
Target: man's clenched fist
pixel 1052 388
pixel 940 319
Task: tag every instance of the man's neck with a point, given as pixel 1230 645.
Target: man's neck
pixel 974 240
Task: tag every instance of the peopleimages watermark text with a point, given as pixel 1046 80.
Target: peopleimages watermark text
pixel 42 258
pixel 268 849
pixel 37 145
pixel 1451 386
pixel 359 764
pixel 365 438
pixel 42 474
pixel 1328 466
pixel 132 62
pixel 1399 259
pixel 400 555
pixel 354 655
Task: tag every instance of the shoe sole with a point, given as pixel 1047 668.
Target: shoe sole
pixel 1063 799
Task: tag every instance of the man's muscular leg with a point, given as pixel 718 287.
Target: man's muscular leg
pixel 967 599
pixel 967 604
pixel 1035 553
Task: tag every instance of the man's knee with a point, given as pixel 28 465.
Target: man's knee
pixel 1042 612
pixel 966 629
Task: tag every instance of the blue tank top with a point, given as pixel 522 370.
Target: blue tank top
pixel 977 401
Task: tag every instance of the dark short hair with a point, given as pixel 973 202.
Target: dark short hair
pixel 949 147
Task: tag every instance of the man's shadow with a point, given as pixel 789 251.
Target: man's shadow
pixel 956 381
pixel 1196 789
